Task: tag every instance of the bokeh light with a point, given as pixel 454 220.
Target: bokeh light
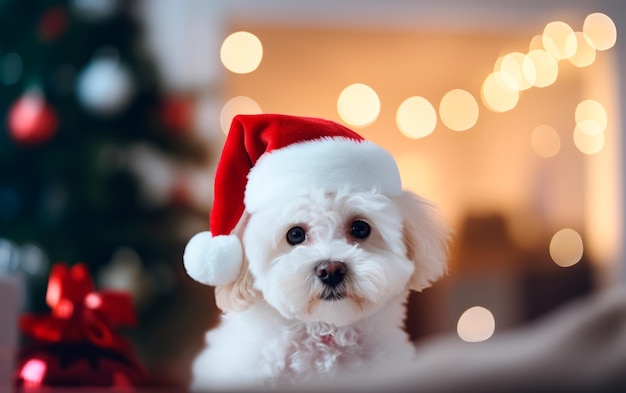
pixel 358 105
pixel 545 141
pixel 601 30
pixel 11 68
pixel 588 144
pixel 536 43
pixel 241 52
pixel 591 117
pixel 8 256
pixel 235 106
pixel 458 110
pixel 31 120
pixel 546 67
pixel 106 86
pixel 590 127
pixel 520 70
pixel 497 92
pixel 476 324
pixel 416 117
pixel 33 373
pixel 33 260
pixel 585 52
pixel 558 40
pixel 566 247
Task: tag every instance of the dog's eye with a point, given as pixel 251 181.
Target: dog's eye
pixel 296 235
pixel 360 229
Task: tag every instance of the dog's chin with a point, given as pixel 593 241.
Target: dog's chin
pixel 336 307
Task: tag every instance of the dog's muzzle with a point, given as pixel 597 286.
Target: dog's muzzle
pixel 331 274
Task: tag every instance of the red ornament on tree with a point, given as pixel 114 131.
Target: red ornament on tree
pixel 31 120
pixel 75 344
pixel 52 24
pixel 176 113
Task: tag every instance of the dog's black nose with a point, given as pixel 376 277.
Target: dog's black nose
pixel 331 273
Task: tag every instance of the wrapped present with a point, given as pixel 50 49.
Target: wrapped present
pixel 76 344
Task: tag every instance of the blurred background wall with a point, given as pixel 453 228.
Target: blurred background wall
pixel 508 115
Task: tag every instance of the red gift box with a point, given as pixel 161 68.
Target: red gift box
pixel 76 344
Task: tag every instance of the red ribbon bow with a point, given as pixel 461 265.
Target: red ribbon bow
pixel 79 313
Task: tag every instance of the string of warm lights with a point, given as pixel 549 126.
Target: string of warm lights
pixel 513 73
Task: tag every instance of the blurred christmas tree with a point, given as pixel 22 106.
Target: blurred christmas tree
pixel 92 153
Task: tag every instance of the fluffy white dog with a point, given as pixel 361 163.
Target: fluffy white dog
pixel 323 282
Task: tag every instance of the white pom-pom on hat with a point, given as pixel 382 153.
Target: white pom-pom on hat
pixel 213 260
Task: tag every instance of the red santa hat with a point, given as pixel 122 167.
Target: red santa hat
pixel 267 160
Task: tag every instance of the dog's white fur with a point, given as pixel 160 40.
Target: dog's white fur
pixel 277 330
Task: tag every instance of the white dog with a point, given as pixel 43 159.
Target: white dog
pixel 323 283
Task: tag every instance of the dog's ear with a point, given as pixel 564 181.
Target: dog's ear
pixel 238 295
pixel 425 237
